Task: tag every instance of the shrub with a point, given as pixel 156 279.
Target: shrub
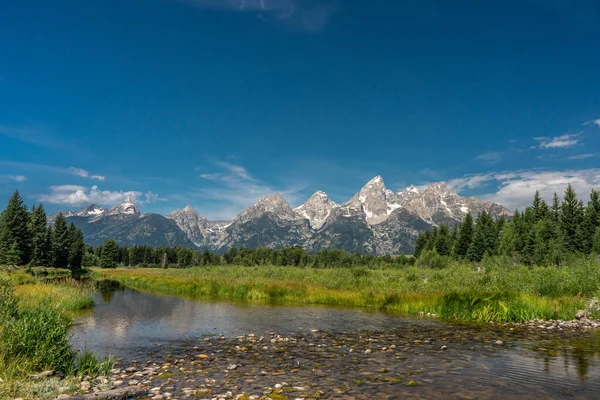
pixel 88 363
pixel 432 259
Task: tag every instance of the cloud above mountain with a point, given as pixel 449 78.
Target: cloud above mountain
pixel 515 189
pixel 75 195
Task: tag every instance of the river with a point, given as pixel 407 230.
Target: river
pixel 336 352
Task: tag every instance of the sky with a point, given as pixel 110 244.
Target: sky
pixel 216 103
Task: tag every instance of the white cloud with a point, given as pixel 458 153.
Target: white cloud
pixel 13 178
pixel 581 156
pixel 234 189
pixel 82 173
pixel 489 158
pixel 308 15
pixel 79 172
pixel 516 189
pixel 597 122
pixel 17 178
pixel 75 195
pixel 559 141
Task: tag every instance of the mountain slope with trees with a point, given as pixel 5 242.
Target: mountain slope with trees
pixel 540 235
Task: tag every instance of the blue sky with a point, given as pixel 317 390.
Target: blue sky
pixel 215 103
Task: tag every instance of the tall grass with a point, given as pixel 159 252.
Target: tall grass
pixel 493 291
pixel 35 318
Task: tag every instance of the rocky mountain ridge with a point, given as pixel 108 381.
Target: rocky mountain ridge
pixel 375 220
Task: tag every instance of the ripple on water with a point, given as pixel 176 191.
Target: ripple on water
pixel 131 324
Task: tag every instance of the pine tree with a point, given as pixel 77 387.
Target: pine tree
pixel 571 218
pixel 484 238
pixel 465 236
pixel 77 248
pixel 110 254
pixel 62 242
pixel 38 229
pixel 15 238
pixel 506 240
pixel 538 208
pixel 443 244
pixel 541 249
pixel 596 248
pixel 48 256
pixel 555 209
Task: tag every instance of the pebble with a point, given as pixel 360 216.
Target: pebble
pixel 368 351
pixel 499 342
pixel 444 348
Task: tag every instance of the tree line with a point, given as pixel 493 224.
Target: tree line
pixel 26 238
pixel 111 255
pixel 540 235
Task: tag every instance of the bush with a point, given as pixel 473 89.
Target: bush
pixel 431 259
pixel 88 363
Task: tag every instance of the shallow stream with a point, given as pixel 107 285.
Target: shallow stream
pixel 334 352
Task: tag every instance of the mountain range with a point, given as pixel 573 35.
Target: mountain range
pixel 374 221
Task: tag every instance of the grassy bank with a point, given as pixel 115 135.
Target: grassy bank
pixel 498 293
pixel 35 317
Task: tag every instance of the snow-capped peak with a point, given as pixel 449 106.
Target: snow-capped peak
pixel 317 209
pixel 126 207
pixel 273 203
pixel 374 201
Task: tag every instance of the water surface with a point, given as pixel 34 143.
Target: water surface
pixel 133 325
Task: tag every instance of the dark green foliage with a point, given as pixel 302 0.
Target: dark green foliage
pixel 25 238
pixel 571 218
pixel 76 248
pixel 15 237
pixel 484 238
pixel 40 247
pixel 540 235
pixel 110 254
pixel 443 243
pixel 62 242
pixel 465 236
pixel 596 247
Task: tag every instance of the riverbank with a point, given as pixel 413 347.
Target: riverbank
pixel 499 294
pixel 36 357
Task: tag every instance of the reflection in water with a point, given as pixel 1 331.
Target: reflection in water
pixel 131 323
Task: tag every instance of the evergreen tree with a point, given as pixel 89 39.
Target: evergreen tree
pixel 570 219
pixel 443 244
pixel 538 206
pixel 62 242
pixel 38 229
pixel 48 255
pixel 596 247
pixel 420 245
pixel 15 238
pixel 555 209
pixel 465 236
pixel 110 254
pixel 506 240
pixel 484 238
pixel 77 247
pixel 541 251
